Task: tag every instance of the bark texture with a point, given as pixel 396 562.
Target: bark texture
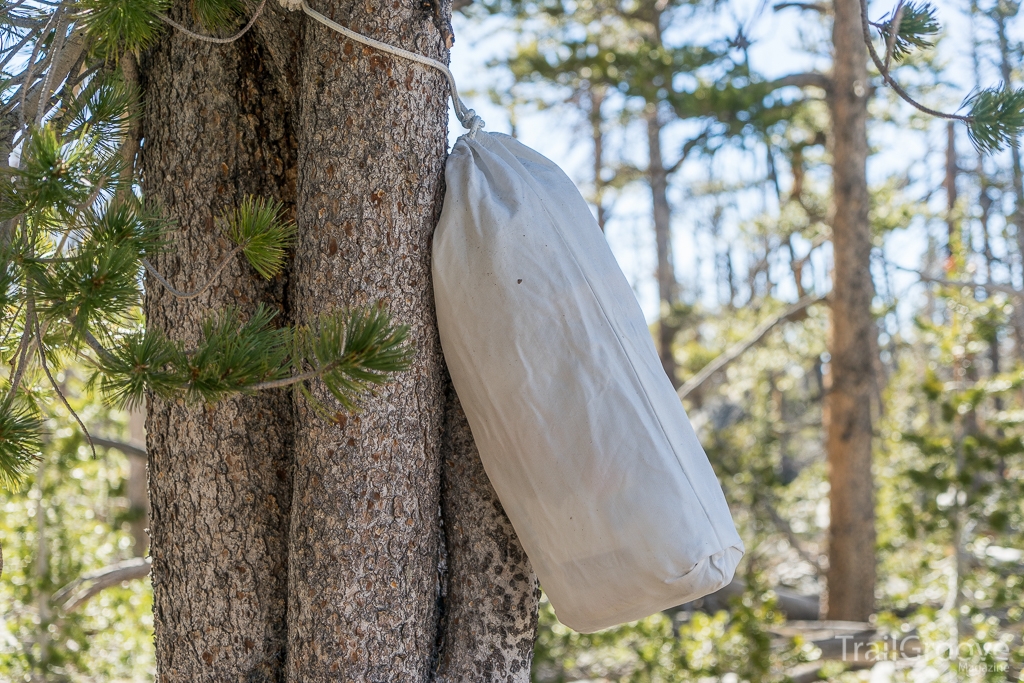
pixel 489 608
pixel 218 126
pixel 851 574
pixel 365 535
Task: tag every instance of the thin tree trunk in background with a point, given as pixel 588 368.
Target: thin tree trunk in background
pixel 489 613
pixel 668 287
pixel 138 495
pixel 950 184
pixel 851 575
pixel 597 135
pixel 41 570
pixel 1017 173
pixel 218 126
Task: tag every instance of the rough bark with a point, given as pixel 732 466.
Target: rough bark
pixel 218 126
pixel 365 537
pixel 851 575
pixel 668 287
pixel 489 609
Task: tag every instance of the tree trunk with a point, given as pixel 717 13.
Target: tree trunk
pixel 218 126
pixel 367 557
pixel 489 618
pixel 668 293
pixel 851 575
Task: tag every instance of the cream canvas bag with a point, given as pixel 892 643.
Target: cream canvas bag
pixel 580 431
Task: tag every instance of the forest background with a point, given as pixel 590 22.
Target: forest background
pixel 748 187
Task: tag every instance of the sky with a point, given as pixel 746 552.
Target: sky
pixel 777 49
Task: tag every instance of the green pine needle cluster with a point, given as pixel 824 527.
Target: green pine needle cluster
pixel 57 175
pixel 20 443
pixel 258 227
pixel 356 349
pixel 996 118
pixel 917 23
pixel 117 26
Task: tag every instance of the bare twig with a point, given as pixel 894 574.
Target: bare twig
pixel 688 147
pixel 294 379
pixel 794 542
pixel 32 64
pixel 15 49
pixel 56 48
pixel 742 347
pixel 95 345
pixel 23 345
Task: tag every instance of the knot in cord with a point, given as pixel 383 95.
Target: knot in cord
pixel 467 117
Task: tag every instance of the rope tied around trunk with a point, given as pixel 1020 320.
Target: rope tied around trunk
pixel 467 117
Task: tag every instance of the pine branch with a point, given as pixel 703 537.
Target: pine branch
pixel 996 115
pixel 350 352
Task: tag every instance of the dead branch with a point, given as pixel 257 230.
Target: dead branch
pixel 782 525
pixel 100 580
pixel 759 333
pixel 126 448
pixel 812 6
pixel 811 79
pixel 990 286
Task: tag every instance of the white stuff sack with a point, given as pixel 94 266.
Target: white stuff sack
pixel 579 429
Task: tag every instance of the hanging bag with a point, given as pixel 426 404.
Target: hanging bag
pixel 579 429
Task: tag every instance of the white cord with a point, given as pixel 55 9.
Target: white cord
pixel 467 117
pixel 212 39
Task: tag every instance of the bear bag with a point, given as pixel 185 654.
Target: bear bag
pixel 580 431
